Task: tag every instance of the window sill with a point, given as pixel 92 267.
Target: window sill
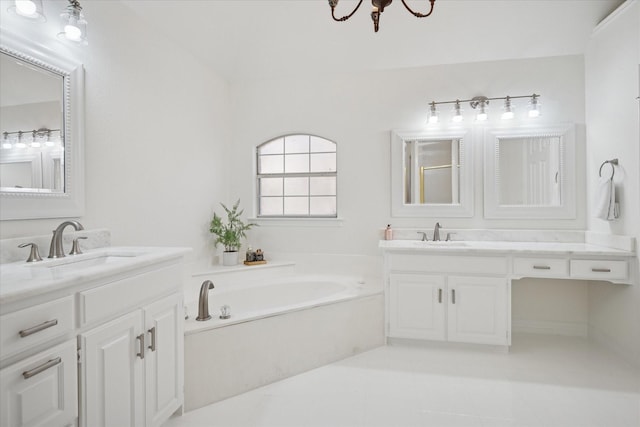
pixel 297 222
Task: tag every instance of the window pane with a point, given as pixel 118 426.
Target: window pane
pixel 270 164
pixel 296 186
pixel 322 145
pixel 271 186
pixel 296 144
pixel 296 163
pixel 296 206
pixel 323 186
pixel 323 206
pixel 272 147
pixel 270 205
pixel 323 162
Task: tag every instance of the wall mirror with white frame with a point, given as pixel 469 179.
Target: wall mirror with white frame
pixel 42 131
pixel 529 172
pixel 431 174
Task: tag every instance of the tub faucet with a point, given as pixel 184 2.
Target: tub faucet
pixel 203 301
pixel 55 249
pixel 436 232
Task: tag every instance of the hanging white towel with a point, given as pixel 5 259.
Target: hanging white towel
pixel 605 206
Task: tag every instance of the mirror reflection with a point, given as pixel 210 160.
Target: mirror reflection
pixel 529 171
pixel 31 118
pixel 432 171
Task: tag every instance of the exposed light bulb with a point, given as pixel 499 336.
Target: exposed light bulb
pixel 433 114
pixel 35 144
pixel 507 114
pixel 482 117
pixel 20 144
pixel 534 106
pixel 457 113
pixel 6 145
pixel 534 113
pixel 72 32
pixel 26 7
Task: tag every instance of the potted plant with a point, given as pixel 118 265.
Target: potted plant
pixel 230 233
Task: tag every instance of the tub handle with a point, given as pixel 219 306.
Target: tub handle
pixel 440 295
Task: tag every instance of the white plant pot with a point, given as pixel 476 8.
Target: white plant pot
pixel 230 258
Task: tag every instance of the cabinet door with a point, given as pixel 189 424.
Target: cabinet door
pixel 477 310
pixel 416 306
pixel 41 390
pixel 163 360
pixel 112 377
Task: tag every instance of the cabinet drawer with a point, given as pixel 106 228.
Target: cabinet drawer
pixel 41 390
pixel 541 267
pixel 26 328
pixel 599 269
pixel 448 264
pixel 114 298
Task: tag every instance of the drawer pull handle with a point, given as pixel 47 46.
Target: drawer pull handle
pixel 541 267
pixel 35 371
pixel 453 296
pixel 140 354
pixel 26 332
pixel 440 296
pixel 601 270
pixel 152 332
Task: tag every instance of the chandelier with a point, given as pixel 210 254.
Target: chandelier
pixel 378 8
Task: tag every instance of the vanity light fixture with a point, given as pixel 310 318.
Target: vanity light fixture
pixel 378 8
pixel 507 114
pixel 6 143
pixel 74 26
pixel 433 114
pixel 534 106
pixel 480 104
pixel 29 9
pixel 457 112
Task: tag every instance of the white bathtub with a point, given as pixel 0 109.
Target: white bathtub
pixel 277 329
pixel 276 297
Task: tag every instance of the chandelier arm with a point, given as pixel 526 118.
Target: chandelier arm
pixel 344 18
pixel 417 14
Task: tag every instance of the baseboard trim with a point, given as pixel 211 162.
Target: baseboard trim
pixel 573 329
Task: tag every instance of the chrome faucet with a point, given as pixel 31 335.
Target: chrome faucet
pixel 55 249
pixel 436 232
pixel 203 301
pixel 424 236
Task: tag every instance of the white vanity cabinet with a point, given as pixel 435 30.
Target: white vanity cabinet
pixel 41 390
pixel 447 298
pixel 452 308
pixel 131 366
pixel 101 346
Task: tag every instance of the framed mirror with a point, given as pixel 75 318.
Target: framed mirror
pixel 42 131
pixel 431 174
pixel 530 173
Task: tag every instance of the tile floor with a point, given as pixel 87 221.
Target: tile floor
pixel 542 381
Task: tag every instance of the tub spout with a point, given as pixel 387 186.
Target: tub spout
pixel 203 301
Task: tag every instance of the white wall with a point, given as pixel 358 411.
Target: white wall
pixel 612 72
pixel 358 111
pixel 157 127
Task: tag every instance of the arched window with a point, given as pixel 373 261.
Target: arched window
pixel 297 177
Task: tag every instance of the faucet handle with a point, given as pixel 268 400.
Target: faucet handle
pixel 449 237
pixel 424 236
pixel 75 247
pixel 34 255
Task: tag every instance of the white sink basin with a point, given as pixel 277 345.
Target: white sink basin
pixel 73 263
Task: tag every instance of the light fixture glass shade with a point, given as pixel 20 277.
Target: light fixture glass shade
pixel 29 9
pixel 507 110
pixel 433 114
pixel 457 113
pixel 5 141
pixel 482 115
pixel 534 107
pixel 73 25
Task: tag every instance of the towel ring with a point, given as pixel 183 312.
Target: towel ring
pixel 613 163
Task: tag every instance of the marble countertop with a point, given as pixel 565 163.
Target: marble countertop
pixel 19 280
pixel 503 247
